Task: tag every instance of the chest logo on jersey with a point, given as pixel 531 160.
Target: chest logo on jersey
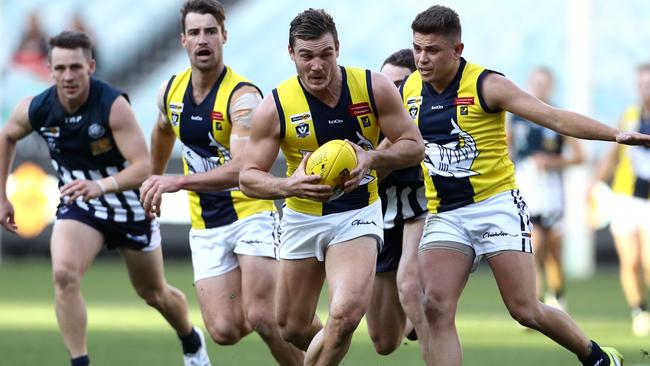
pixel 413 106
pixel 73 120
pixel 175 118
pixel 302 130
pixel 95 131
pixel 50 132
pixel 300 117
pixel 359 109
pixel 176 109
pixel 452 159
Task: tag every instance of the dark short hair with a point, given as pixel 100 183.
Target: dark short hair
pixel 212 7
pixel 312 24
pixel 438 19
pixel 643 67
pixel 71 40
pixel 402 58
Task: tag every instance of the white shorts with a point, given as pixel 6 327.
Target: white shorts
pixel 629 214
pixel 214 250
pixel 499 223
pixel 543 191
pixel 306 236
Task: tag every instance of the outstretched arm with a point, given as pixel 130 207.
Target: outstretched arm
pixel 261 151
pixel 501 93
pixel 17 127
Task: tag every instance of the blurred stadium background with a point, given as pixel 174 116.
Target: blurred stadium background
pixel 593 46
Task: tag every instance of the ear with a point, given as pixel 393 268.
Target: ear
pixel 225 36
pixel 458 50
pixel 183 40
pixel 337 49
pixel 92 65
pixel 292 55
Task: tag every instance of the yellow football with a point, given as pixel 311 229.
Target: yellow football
pixel 333 161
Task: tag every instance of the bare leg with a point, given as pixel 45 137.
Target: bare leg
pixel 259 276
pixel 299 287
pixel 408 282
pixel 350 268
pixel 221 305
pixel 629 256
pixel 538 239
pixel 147 276
pixel 73 247
pixel 515 276
pixel 553 263
pixel 385 317
pixel 441 301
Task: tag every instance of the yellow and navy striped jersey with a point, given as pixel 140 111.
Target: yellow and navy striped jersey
pixel 466 153
pixel 632 176
pixel 204 132
pixel 307 123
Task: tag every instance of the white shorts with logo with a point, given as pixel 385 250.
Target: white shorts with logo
pixel 498 223
pixel 629 214
pixel 214 250
pixel 306 236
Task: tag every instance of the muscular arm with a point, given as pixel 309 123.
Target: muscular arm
pixel 243 104
pixel 130 142
pixel 261 151
pixel 405 146
pixel 162 137
pixel 17 127
pixel 501 93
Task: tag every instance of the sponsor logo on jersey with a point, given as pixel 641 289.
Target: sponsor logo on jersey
pixel 96 130
pixel 464 110
pixel 217 116
pixel 196 118
pixel 464 101
pixel 335 121
pixel 101 146
pixel 50 131
pixel 175 118
pixel 72 120
pixel 435 107
pixel 300 117
pixel 414 100
pixel 176 107
pixel 359 109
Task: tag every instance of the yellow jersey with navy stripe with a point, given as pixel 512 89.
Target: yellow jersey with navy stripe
pixel 307 123
pixel 466 153
pixel 204 132
pixel 632 176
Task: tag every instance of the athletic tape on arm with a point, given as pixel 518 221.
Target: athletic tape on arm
pixel 243 108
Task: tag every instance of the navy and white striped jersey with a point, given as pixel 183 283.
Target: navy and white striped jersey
pixel 82 147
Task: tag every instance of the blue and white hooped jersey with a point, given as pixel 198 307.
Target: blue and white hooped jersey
pixel 82 147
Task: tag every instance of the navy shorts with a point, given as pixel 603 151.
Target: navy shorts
pixel 138 235
pixel 391 252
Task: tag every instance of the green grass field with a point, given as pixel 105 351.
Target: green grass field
pixel 124 331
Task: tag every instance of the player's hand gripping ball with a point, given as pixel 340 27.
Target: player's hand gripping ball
pixel 333 161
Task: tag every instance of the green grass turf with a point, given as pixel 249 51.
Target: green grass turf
pixel 124 331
